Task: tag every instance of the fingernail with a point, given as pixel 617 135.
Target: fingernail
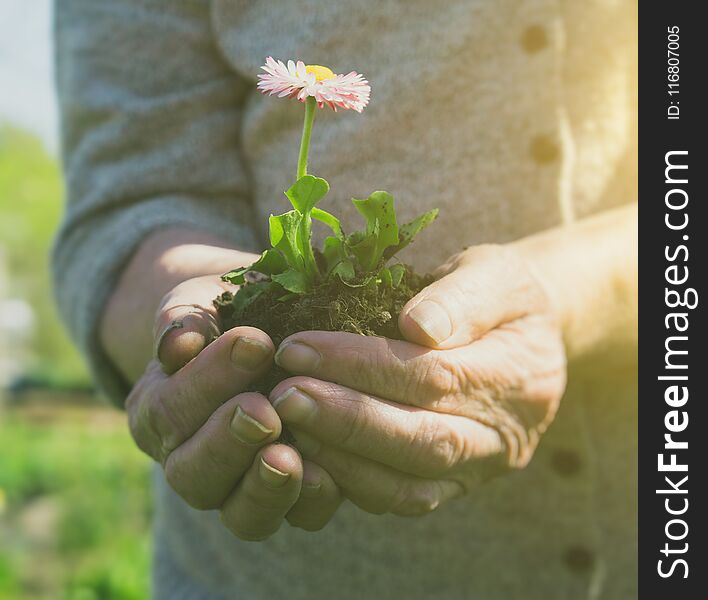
pixel 297 357
pixel 247 429
pixel 271 476
pixel 295 406
pixel 307 445
pixel 432 319
pixel 249 354
pixel 176 324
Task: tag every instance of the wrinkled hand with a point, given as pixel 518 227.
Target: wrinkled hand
pixel 215 443
pixel 405 425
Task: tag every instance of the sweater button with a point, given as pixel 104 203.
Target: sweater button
pixel 534 39
pixel 579 559
pixel 543 150
pixel 566 462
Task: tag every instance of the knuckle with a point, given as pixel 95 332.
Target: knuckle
pixel 179 478
pixel 370 365
pixel 146 427
pixel 160 420
pixel 353 425
pixel 437 446
pixel 217 455
pixel 134 408
pixel 435 381
pixel 366 368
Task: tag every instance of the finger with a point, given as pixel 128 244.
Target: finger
pixel 409 439
pixel 510 386
pixel 269 489
pixel 374 487
pixel 319 499
pixel 206 468
pixel 461 381
pixel 163 415
pixel 391 369
pixel 488 286
pixel 187 321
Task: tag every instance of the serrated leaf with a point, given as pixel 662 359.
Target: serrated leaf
pixel 271 261
pixel 380 214
pixel 292 280
pixel 408 231
pixel 236 276
pixel 379 207
pixel 364 247
pixel 306 192
pixel 330 220
pixel 285 237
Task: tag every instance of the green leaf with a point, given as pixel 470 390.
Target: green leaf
pixel 410 230
pixel 379 208
pixel 364 247
pixel 338 263
pixel 285 237
pixel 367 281
pixel 385 276
pixel 247 295
pixel 345 270
pixel 380 214
pixel 397 273
pixel 330 220
pixel 236 276
pixel 306 192
pixel 292 280
pixel 271 261
pixel 287 297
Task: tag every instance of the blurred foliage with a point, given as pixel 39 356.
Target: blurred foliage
pixel 74 493
pixel 76 508
pixel 30 210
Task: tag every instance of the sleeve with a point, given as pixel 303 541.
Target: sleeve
pixel 150 130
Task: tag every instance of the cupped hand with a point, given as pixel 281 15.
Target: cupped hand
pixel 216 443
pixel 403 426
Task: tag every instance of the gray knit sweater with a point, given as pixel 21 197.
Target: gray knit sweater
pixel 511 116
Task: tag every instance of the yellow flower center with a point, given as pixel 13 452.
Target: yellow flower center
pixel 321 73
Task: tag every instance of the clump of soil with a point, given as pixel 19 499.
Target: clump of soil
pixel 331 306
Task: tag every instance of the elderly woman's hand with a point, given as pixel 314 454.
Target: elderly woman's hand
pixel 405 425
pixel 217 444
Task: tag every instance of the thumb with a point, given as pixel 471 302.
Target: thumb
pixel 484 288
pixel 187 321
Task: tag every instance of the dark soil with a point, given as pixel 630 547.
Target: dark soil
pixel 332 306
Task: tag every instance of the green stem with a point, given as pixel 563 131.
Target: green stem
pixel 310 105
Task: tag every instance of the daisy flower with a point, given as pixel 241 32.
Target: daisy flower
pixel 301 81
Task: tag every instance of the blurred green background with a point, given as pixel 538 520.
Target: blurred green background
pixel 74 500
pixel 74 493
pixel 74 490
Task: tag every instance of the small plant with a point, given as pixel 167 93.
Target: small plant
pixel 351 275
